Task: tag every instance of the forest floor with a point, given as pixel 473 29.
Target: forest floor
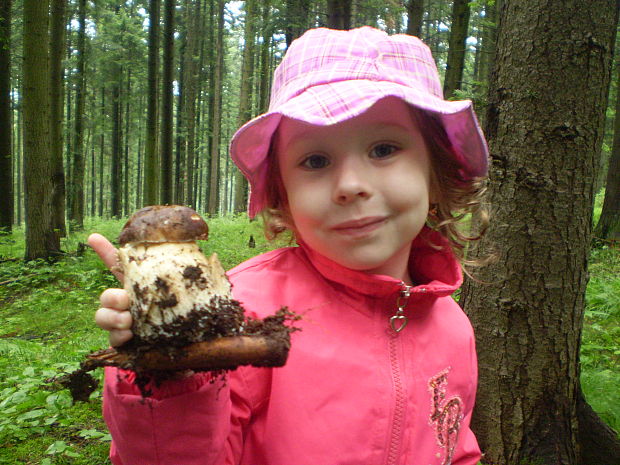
pixel 47 327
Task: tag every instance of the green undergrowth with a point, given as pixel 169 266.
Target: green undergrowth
pixel 47 327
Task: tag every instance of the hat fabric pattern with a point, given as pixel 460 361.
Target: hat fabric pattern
pixel 328 76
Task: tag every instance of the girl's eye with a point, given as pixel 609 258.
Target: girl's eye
pixel 315 162
pixel 383 150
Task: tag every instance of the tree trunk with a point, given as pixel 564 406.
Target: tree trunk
pixel 127 143
pixel 151 157
pixel 485 50
pixel 265 58
pixel 339 14
pixel 188 109
pixel 297 13
pixel 116 169
pixel 456 51
pixel 415 13
pixel 6 126
pixel 41 240
pixel 167 103
pixel 181 126
pixel 245 97
pixel 545 132
pixel 608 226
pixel 57 49
pixel 216 114
pixel 76 211
pixel 193 69
pixel 18 153
pixel 102 151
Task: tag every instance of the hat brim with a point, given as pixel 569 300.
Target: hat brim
pixel 335 102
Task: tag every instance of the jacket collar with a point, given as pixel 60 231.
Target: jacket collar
pixel 433 267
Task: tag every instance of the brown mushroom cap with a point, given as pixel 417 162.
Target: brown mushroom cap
pixel 164 223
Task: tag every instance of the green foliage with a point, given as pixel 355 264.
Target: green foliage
pixel 600 351
pixel 47 327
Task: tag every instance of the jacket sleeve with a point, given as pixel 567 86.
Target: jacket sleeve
pixel 189 421
pixel 467 451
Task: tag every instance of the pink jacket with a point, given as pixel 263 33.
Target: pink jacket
pixel 353 390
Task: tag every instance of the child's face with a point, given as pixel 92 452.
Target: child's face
pixel 358 192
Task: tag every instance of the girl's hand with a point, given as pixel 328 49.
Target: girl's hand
pixel 113 316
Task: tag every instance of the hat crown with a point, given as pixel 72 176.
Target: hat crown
pixel 323 56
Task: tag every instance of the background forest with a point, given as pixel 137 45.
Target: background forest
pixel 109 106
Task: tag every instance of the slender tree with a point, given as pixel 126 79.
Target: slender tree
pixel 116 200
pixel 116 168
pixel 76 211
pixel 545 133
pixel 297 14
pixel 456 51
pixel 151 157
pixel 180 139
pixel 216 113
pixel 167 104
pixel 102 182
pixel 339 14
pixel 41 239
pixel 6 158
pixel 265 62
pixel 245 96
pixel 415 13
pixel 58 42
pixel 608 226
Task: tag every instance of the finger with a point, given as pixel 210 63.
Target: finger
pixel 106 251
pixel 111 319
pixel 115 298
pixel 119 336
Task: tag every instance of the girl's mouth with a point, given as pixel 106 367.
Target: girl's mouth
pixel 359 227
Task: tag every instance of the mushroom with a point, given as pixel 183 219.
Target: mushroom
pixel 175 291
pixel 184 316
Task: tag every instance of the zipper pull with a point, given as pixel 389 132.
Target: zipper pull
pixel 399 320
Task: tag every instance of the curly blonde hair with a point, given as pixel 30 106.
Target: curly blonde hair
pixel 458 198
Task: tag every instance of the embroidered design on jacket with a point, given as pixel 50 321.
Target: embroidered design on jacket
pixel 446 415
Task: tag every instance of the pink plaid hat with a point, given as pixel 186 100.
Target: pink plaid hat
pixel 328 76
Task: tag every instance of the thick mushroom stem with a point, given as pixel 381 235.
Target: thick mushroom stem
pixel 218 354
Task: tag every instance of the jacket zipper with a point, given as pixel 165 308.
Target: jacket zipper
pixel 399 320
pixel 397 323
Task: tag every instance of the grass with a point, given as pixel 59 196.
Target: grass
pixel 46 327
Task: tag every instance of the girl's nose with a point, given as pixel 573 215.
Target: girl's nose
pixel 351 183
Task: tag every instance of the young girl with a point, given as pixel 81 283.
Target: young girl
pixel 360 156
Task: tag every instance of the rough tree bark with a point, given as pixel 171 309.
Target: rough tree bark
pixel 41 240
pixel 456 51
pixel 545 131
pixel 608 226
pixel 6 126
pixel 58 44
